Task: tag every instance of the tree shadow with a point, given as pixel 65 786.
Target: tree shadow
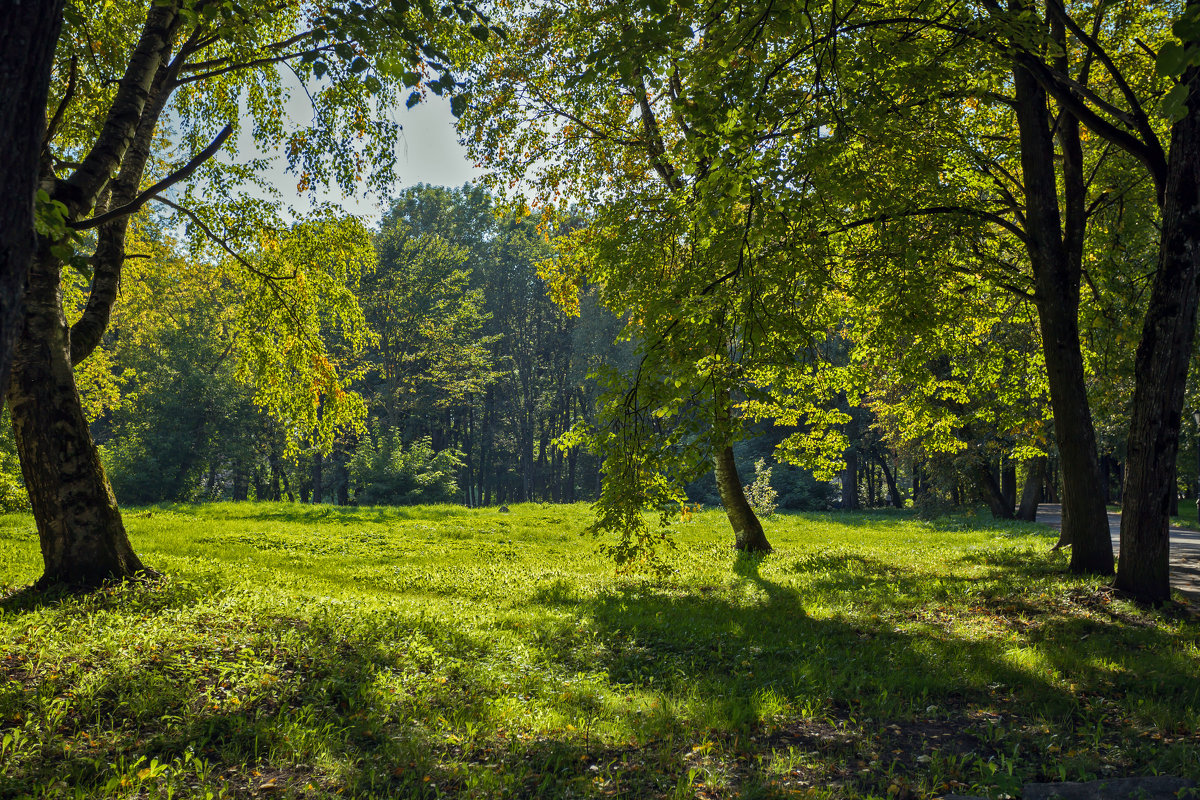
pixel 712 684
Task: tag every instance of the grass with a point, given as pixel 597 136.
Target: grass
pixel 299 651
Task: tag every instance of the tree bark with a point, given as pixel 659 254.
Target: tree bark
pixel 748 533
pixel 1031 494
pixel 28 32
pixel 82 536
pixel 317 477
pixel 850 481
pixel 1055 254
pixel 1160 370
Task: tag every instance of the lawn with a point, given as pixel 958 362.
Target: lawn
pixel 301 651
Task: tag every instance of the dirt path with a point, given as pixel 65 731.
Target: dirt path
pixel 1185 548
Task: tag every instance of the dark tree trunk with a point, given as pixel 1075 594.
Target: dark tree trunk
pixel 1160 370
pixel 1031 495
pixel 748 533
pixel 1055 252
pixel 893 491
pixel 240 490
pixel 82 536
pixel 850 482
pixel 989 489
pixel 28 33
pixel 1008 482
pixel 1050 487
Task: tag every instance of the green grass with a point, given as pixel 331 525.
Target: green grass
pixel 297 651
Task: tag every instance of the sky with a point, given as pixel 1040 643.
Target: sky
pixel 427 152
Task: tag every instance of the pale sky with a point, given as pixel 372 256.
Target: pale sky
pixel 427 152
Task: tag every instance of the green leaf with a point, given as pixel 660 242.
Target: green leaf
pixel 319 69
pixel 458 104
pixel 412 100
pixel 1172 59
pixel 82 265
pixel 63 251
pixel 358 65
pixel 1174 105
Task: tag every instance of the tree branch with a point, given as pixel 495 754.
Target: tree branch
pixel 56 120
pixel 930 211
pixel 146 196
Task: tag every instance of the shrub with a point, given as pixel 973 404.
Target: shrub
pixel 761 494
pixel 383 472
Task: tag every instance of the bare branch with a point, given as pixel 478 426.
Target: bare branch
pixel 56 120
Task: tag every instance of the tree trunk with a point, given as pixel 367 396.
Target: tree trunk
pixel 318 479
pixel 1055 254
pixel 28 32
pixel 1008 483
pixel 748 533
pixel 1031 494
pixel 893 491
pixel 240 490
pixel 989 489
pixel 1160 370
pixel 82 536
pixel 850 481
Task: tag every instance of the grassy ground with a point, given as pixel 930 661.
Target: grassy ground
pixel 297 651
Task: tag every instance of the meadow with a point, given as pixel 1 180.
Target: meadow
pixel 318 651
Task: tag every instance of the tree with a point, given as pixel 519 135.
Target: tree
pixel 27 37
pixel 672 234
pixel 199 59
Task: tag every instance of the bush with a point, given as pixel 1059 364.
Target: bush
pixel 761 495
pixel 383 472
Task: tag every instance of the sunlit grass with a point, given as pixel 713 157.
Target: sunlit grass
pixel 320 651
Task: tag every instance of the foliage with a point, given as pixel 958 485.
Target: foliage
pixel 384 472
pixel 13 496
pixel 762 496
pixel 472 653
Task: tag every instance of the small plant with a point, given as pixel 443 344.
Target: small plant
pixel 761 494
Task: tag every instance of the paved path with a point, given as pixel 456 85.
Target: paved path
pixel 1185 547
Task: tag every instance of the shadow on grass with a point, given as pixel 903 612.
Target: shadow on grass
pixel 400 705
pixel 302 513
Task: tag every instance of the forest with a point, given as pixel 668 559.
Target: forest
pixel 736 278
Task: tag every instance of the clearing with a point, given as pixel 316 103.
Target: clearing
pixel 317 651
